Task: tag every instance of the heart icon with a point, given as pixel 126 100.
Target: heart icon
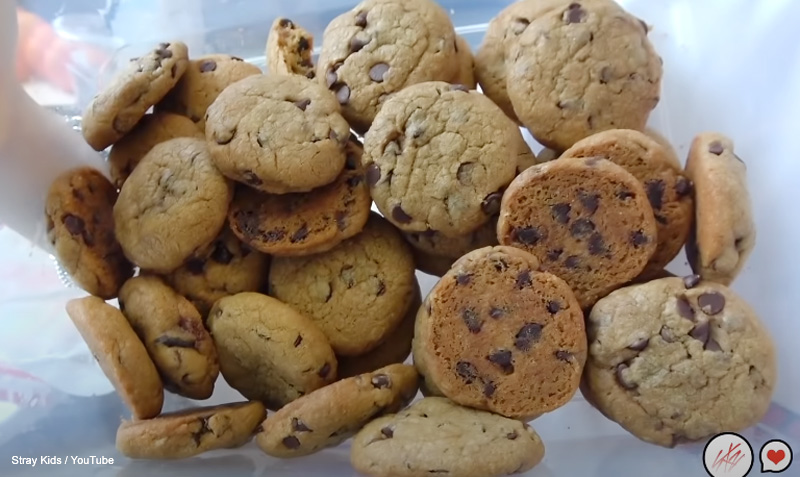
pixel 776 456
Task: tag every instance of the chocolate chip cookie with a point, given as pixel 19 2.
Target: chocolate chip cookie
pixel 497 334
pixel 268 351
pixel 226 267
pixel 172 205
pixel 667 188
pixel 122 357
pixel 188 433
pixel 582 68
pixel 141 84
pixel 357 293
pixel 465 73
pixel 438 157
pixel 588 221
pixel 724 234
pixel 304 224
pixel 80 226
pixel 289 49
pixel 437 437
pixel 331 415
pixel 172 330
pixel 204 80
pixel 153 129
pixel 381 47
pixel 278 134
pixel 679 359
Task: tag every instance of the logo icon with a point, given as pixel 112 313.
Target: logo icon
pixel 728 455
pixel 776 456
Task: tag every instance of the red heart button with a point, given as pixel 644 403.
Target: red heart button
pixel 776 456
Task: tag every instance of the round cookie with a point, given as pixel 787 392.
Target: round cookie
pixel 588 221
pixel 437 437
pixel 381 47
pixel 80 226
pixel 466 64
pixel 304 224
pixel 438 157
pixel 278 134
pixel 172 331
pixel 583 68
pixel 224 268
pixel 122 357
pixel 331 415
pixel 290 49
pixel 679 359
pixel 724 234
pixel 496 334
pixel 141 84
pixel 173 204
pixel 437 244
pixel 205 78
pixel 268 351
pixel 191 432
pixel 668 190
pixel 153 129
pixel 357 293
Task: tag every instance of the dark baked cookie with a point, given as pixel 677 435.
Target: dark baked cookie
pixel 289 49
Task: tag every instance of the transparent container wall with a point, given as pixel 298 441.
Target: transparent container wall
pixel 730 65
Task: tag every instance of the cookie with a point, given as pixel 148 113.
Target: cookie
pixel 668 190
pixel 724 234
pixel 437 437
pixel 331 415
pixel 677 360
pixel 665 143
pixel 289 49
pixel 394 349
pixel 142 83
pixel 153 129
pixel 304 224
pixel 381 47
pixel 205 78
pixel 430 171
pixel 588 221
pixel 437 244
pixel 357 293
pixel 172 205
pixel 434 265
pixel 122 357
pixel 496 334
pixel 224 268
pixel 268 351
pixel 278 134
pixel 191 432
pixel 80 227
pixel 172 330
pixel 581 68
pixel 466 64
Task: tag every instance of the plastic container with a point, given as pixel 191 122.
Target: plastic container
pixel 730 65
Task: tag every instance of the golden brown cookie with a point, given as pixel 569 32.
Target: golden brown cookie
pixel 289 49
pixel 80 226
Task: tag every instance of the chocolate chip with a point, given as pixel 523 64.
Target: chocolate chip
pixel 711 303
pixel 173 342
pixel 285 22
pixel 387 432
pixel 590 202
pixel 459 87
pixel 207 66
pixel 564 355
pixel 343 94
pixel 331 77
pixel 512 435
pixel 683 186
pixel 221 254
pixel 581 228
pixel 639 345
pixel 303 104
pixel 251 178
pixel 467 371
pixel 503 359
pixel 236 58
pixel 560 213
pixel 356 44
pixel 496 313
pixel 381 381
pixel 489 388
pixel 606 75
pixel 491 204
pixel 638 239
pixel 400 215
pixel 299 426
pixel 527 235
pixel 298 340
pixel 195 266
pixel 324 371
pixel 553 307
pixel 655 193
pixel 378 72
pixel 373 174
pixel 274 235
pixel 291 442
pixel 74 224
pixel 361 19
pixel 519 25
pixel 300 234
pixel 527 335
pixel 311 74
pixel 463 278
pixel 524 279
pixel 701 332
pixel 163 53
pixel 554 255
pixel 667 335
pixel 691 281
pixel 685 308
pixel 464 173
pixel 712 345
pixel 303 44
pixel 625 194
pixel 597 246
pixel 716 148
pixel 472 320
pixel 572 262
pixel 661 219
pixel 574 13
pixel 500 265
pixel 620 379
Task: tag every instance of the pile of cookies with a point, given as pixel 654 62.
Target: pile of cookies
pixel 237 233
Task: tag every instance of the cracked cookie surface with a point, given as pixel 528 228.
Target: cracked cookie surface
pixel 268 351
pixel 678 359
pixel 438 158
pixel 357 293
pixel 289 49
pixel 191 432
pixel 435 436
pixel 331 415
pixel 115 110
